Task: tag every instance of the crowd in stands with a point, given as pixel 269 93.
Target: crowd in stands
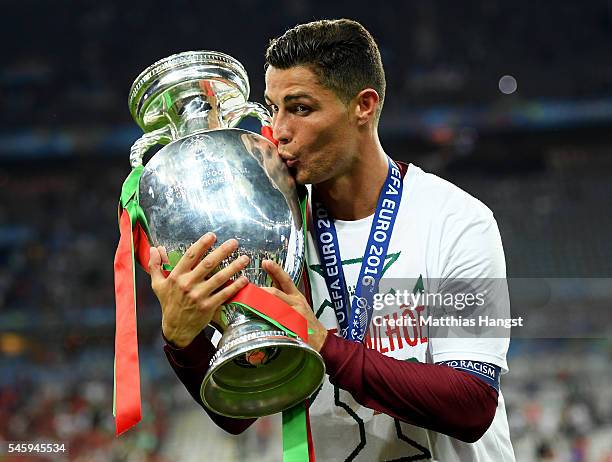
pixel 76 414
pixel 558 400
pixel 78 68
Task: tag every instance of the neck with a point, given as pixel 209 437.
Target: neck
pixel 354 194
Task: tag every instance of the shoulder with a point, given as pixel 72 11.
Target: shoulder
pixel 441 197
pixel 461 232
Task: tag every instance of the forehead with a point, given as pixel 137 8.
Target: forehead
pixel 295 80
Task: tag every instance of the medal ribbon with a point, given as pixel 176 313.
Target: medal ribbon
pixel 353 325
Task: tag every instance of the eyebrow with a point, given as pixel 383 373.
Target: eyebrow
pixel 292 96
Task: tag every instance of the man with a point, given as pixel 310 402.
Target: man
pixel 325 86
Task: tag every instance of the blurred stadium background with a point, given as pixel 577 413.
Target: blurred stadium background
pixel 510 100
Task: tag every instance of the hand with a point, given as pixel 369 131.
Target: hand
pixel 191 295
pixel 285 289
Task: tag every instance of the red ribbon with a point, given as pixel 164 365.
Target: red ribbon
pixel 273 307
pixel 128 408
pixel 267 132
pixel 127 374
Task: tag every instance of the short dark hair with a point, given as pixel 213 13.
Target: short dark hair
pixel 341 52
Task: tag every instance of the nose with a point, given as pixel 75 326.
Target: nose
pixel 280 128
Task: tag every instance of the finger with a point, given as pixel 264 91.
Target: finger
pixel 155 270
pixel 304 310
pixel 228 292
pixel 279 293
pixel 212 260
pixel 194 253
pixel 221 277
pixel 269 267
pixel 164 255
pixel 280 277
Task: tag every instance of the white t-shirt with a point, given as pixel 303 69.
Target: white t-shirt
pixel 440 233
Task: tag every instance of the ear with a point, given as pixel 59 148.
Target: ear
pixel 366 104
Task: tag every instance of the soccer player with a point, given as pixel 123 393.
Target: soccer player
pixel 391 392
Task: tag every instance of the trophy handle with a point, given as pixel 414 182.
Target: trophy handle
pixel 249 109
pixel 146 141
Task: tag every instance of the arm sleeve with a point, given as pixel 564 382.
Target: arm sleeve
pixel 190 365
pixel 471 261
pixel 431 396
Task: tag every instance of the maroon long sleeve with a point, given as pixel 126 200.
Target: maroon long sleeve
pixel 190 365
pixel 435 397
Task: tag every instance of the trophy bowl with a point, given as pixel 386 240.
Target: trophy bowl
pixel 213 177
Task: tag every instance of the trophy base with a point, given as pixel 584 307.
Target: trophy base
pixel 261 373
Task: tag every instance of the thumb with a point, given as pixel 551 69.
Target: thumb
pixel 155 261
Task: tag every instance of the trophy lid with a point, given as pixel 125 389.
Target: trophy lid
pixel 166 85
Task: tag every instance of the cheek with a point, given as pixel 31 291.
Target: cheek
pixel 324 140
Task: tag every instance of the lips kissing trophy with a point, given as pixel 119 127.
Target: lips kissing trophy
pixel 210 176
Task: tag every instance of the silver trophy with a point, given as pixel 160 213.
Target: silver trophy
pixel 213 177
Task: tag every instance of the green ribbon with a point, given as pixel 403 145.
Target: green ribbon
pixel 295 429
pixel 130 198
pixel 295 434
